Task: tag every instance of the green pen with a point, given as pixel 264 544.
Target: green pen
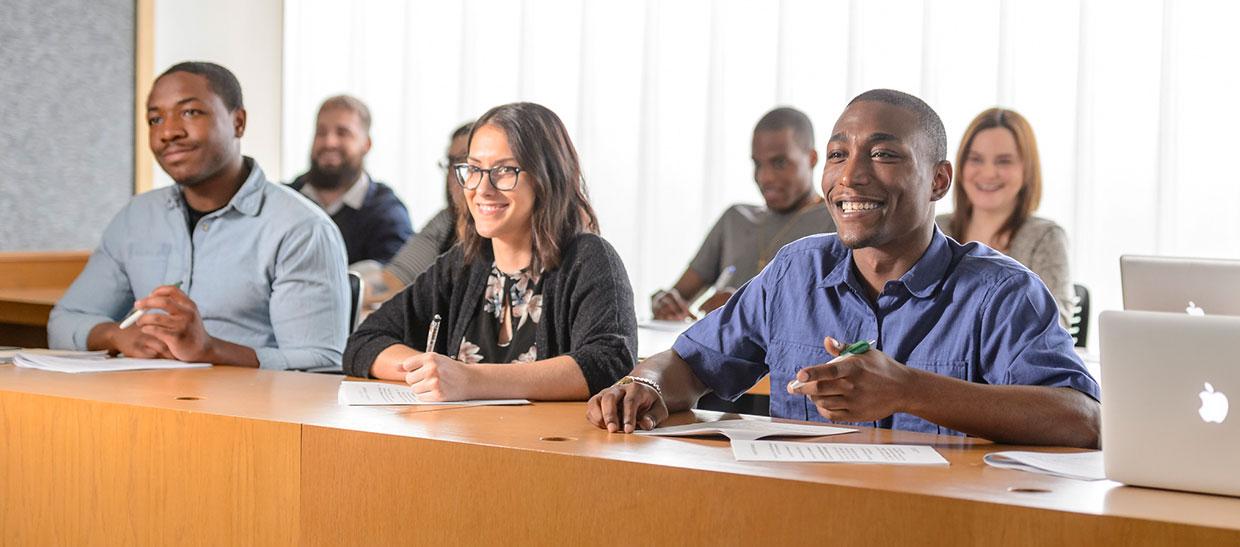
pixel 855 348
pixel 136 313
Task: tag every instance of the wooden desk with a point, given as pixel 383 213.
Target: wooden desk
pixel 30 285
pixel 228 456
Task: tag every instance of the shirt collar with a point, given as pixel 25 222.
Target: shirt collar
pixel 249 198
pixel 921 280
pixel 353 198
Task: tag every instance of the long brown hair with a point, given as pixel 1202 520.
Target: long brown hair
pixel 549 161
pixel 1026 145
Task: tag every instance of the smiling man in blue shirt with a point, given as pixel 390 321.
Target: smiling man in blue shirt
pixel 968 340
pixel 261 269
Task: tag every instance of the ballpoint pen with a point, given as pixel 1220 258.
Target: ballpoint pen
pixel 855 348
pixel 432 335
pixel 136 313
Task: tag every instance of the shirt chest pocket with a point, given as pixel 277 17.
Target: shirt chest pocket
pixel 146 265
pixel 785 359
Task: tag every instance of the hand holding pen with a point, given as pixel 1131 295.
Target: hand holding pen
pixel 860 384
pixel 137 312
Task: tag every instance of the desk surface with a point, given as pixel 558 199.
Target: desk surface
pixel 560 428
pixel 45 296
pixel 28 306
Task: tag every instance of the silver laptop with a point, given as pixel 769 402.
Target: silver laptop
pixel 1171 400
pixel 1197 285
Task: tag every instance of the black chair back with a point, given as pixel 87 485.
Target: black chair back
pixel 1079 327
pixel 356 286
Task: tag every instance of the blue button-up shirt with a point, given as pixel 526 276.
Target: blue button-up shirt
pixel 964 311
pixel 266 271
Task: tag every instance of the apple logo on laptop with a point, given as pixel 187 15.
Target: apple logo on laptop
pixel 1194 311
pixel 1213 405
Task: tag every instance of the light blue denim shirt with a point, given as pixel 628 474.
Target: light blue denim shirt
pixel 266 271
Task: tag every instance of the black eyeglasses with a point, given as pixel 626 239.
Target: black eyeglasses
pixel 503 177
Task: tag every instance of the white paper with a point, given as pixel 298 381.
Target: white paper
pixel 7 355
pixel 746 429
pixel 1085 466
pixel 380 394
pixel 92 363
pixel 656 336
pixel 781 451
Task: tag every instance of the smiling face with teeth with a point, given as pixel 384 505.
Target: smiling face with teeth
pixel 881 181
pixel 503 217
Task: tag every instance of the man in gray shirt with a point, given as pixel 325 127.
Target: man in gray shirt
pixel 746 237
pixel 228 267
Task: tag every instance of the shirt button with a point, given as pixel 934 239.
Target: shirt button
pixel 206 226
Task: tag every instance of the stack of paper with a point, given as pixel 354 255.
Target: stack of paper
pixel 379 394
pixel 746 429
pixel 776 451
pixel 95 363
pixel 1085 466
pixel 8 353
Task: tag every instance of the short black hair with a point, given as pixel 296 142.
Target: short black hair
pixel 786 117
pixel 221 80
pixel 928 120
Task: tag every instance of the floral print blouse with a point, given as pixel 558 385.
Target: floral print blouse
pixel 488 338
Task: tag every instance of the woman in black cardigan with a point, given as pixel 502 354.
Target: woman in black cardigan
pixel 533 303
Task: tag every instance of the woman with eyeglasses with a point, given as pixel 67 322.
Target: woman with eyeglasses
pixel 533 303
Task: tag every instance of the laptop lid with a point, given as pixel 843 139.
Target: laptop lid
pixel 1170 392
pixel 1169 284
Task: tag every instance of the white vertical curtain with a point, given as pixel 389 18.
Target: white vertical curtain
pixel 1135 104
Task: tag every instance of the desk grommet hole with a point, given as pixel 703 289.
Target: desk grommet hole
pixel 1027 490
pixel 557 439
pixel 188 398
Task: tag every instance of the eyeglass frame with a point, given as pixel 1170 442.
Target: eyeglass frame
pixel 461 180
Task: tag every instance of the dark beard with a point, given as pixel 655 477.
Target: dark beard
pixel 331 179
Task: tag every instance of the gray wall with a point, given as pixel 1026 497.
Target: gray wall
pixel 66 120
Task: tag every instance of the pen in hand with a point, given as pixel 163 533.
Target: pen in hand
pixel 136 313
pixel 432 335
pixel 855 348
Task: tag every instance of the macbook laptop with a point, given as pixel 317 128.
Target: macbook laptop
pixel 1171 400
pixel 1197 285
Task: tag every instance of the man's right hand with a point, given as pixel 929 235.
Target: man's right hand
pixel 623 408
pixel 670 306
pixel 134 343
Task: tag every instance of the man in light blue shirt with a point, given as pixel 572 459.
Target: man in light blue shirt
pixel 261 270
pixel 968 340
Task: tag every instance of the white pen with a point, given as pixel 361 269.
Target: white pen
pixel 136 313
pixel 724 278
pixel 432 335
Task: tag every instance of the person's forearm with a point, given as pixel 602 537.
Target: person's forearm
pixel 1007 414
pixel 100 337
pixel 690 285
pixel 681 389
pixel 387 364
pixel 221 352
pixel 554 379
